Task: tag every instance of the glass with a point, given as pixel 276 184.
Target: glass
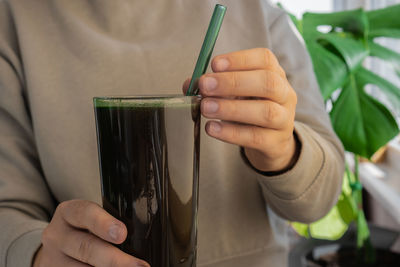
pixel 149 165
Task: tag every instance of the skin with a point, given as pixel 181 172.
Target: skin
pixel 250 103
pixel 80 234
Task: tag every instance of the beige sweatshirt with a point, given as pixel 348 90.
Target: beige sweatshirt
pixel 56 55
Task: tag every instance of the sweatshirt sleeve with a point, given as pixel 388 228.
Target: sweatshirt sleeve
pixel 306 192
pixel 25 201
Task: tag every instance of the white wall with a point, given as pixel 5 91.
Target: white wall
pixel 298 7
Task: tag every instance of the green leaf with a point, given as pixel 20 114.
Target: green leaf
pixel 354 21
pixel 386 54
pixel 390 33
pixel 362 229
pixel 300 228
pixel 296 22
pixel 330 227
pixel 352 50
pixel 347 180
pixel 384 22
pixel 347 208
pixel 362 123
pixel 329 69
pixel 346 205
pixel 364 77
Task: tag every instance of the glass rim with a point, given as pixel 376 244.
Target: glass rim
pixel 144 97
pixel 144 100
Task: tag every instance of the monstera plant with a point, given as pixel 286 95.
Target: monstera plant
pixel 362 122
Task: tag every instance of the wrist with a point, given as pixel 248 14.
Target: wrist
pixel 275 166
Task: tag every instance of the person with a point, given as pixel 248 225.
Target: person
pixel 268 148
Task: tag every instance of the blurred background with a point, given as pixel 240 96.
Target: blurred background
pixel 381 176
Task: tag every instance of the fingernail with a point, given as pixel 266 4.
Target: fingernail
pixel 114 231
pixel 222 64
pixel 215 127
pixel 210 106
pixel 210 83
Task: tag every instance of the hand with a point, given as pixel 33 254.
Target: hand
pixel 79 235
pixel 250 95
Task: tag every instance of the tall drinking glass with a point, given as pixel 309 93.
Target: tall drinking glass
pixel 149 165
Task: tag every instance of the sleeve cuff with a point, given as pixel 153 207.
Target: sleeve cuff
pixel 24 248
pixel 308 190
pixel 306 170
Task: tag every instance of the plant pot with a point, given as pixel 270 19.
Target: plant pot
pixel 307 252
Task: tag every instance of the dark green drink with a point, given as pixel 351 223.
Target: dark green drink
pixel 149 165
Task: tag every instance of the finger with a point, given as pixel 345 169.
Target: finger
pixel 263 113
pixel 62 261
pixel 70 262
pixel 88 215
pixel 244 135
pixel 48 256
pixel 257 83
pixel 90 249
pixel 251 59
pixel 185 85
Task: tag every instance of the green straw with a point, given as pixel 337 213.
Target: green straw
pixel 207 48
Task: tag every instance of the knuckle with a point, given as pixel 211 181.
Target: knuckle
pixel 84 213
pixel 270 60
pixel 233 77
pixel 270 113
pixel 95 224
pixel 276 83
pixel 117 261
pixel 47 237
pixel 266 82
pixel 275 86
pixel 114 262
pixel 84 204
pixel 281 71
pixel 229 109
pixel 244 60
pixel 267 54
pixel 269 84
pixel 256 138
pixel 85 249
pixel 293 96
pixel 235 133
pixel 62 206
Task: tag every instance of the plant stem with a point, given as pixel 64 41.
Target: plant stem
pixel 356 172
pixel 366 253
